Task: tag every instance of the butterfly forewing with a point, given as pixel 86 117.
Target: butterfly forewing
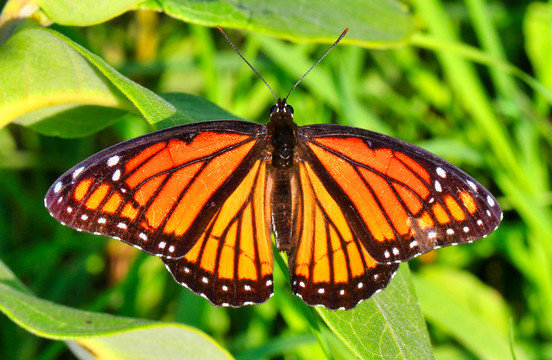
pixel 400 200
pixel 231 263
pixel 160 191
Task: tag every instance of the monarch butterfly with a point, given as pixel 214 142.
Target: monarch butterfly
pixel 345 204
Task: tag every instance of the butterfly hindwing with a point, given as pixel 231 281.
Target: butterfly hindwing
pixel 160 191
pixel 328 265
pixel 231 263
pixel 401 200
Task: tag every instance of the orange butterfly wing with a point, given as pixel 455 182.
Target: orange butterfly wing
pixel 328 264
pixel 170 193
pixel 400 200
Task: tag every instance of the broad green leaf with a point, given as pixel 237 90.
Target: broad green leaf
pixel 70 121
pixel 389 325
pixel 471 312
pixel 83 120
pixel 371 22
pixel 193 108
pixel 104 336
pixel 84 12
pixel 41 68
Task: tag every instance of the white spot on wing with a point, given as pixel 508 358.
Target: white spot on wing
pixel 205 280
pixel 224 288
pixel 438 186
pixel 122 225
pixel 413 244
pixel 450 231
pixel 386 254
pixel 321 291
pixel 432 234
pixel 171 248
pixel 247 287
pixel 472 185
pixel 162 245
pixel 268 282
pixel 57 188
pixel 302 284
pixel 143 236
pixel 466 229
pixel 116 175
pixel 395 251
pixel 77 172
pixel 101 220
pixel 112 161
pixel 84 217
pixel 490 201
pixel 360 285
pixel 69 209
pixel 479 222
pixel 442 173
pixel 341 292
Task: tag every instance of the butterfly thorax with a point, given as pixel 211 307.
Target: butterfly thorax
pixel 282 133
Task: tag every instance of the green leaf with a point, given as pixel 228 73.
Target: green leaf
pixel 41 68
pixel 70 121
pixel 84 12
pixel 102 335
pixel 471 312
pixel 372 22
pixel 193 108
pixel 388 325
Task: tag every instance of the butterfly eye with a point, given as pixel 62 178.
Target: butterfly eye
pixel 289 109
pixel 273 109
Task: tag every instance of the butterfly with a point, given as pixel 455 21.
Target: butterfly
pixel 346 205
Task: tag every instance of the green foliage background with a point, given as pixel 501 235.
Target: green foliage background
pixel 468 80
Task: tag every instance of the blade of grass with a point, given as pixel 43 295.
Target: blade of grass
pixel 490 42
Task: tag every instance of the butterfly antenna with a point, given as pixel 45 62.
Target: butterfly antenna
pixel 247 62
pixel 316 63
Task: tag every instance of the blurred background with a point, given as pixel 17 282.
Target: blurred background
pixel 476 114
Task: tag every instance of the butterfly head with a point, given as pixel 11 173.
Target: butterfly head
pixel 281 108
